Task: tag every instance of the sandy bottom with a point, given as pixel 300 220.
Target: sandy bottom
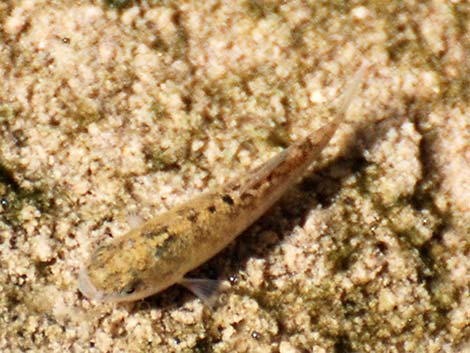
pixel 110 115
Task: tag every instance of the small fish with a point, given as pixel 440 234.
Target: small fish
pixel 160 252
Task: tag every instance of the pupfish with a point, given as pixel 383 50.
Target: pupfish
pixel 158 254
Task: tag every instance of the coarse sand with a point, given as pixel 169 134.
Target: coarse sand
pixel 113 111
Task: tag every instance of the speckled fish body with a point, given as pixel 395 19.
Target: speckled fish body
pixel 159 253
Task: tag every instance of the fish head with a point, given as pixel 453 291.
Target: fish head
pixel 117 276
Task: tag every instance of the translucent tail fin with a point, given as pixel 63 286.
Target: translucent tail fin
pixel 344 101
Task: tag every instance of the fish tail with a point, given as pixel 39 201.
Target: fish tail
pixel 321 137
pixel 343 103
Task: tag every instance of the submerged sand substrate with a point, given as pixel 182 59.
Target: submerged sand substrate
pixel 109 116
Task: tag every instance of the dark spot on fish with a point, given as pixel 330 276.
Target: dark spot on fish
pixel 159 251
pixel 155 233
pixel 192 216
pixel 212 209
pixel 189 213
pixel 227 199
pixel 162 249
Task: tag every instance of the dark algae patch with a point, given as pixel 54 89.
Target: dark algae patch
pixel 119 4
pixel 14 198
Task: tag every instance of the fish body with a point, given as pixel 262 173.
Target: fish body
pixel 159 253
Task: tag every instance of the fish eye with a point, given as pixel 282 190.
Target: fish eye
pixel 130 287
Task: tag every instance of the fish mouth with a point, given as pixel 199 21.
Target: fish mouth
pixel 87 288
pixel 91 292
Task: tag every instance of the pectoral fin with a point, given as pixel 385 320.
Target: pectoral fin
pixel 205 289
